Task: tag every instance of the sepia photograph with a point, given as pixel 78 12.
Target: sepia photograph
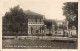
pixel 39 24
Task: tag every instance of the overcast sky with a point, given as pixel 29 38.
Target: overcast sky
pixel 52 9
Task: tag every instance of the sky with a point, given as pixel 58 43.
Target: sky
pixel 51 9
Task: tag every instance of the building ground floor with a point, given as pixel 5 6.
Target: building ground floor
pixel 36 30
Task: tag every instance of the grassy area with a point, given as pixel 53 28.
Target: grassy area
pixel 36 44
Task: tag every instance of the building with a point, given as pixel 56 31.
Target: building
pixel 35 23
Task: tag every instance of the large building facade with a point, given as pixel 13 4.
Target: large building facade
pixel 35 23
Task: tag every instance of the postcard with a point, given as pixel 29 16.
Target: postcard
pixel 40 25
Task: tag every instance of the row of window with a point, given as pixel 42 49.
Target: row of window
pixel 35 27
pixel 35 20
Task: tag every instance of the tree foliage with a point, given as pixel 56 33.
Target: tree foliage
pixel 55 24
pixel 70 10
pixel 49 23
pixel 16 15
pixel 16 19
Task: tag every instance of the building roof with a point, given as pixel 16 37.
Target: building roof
pixel 32 14
pixel 28 12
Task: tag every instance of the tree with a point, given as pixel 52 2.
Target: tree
pixel 17 18
pixel 49 23
pixel 55 24
pixel 70 10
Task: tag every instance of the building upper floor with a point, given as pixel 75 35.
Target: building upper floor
pixel 34 18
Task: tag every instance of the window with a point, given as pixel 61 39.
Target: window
pixel 40 20
pixel 40 29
